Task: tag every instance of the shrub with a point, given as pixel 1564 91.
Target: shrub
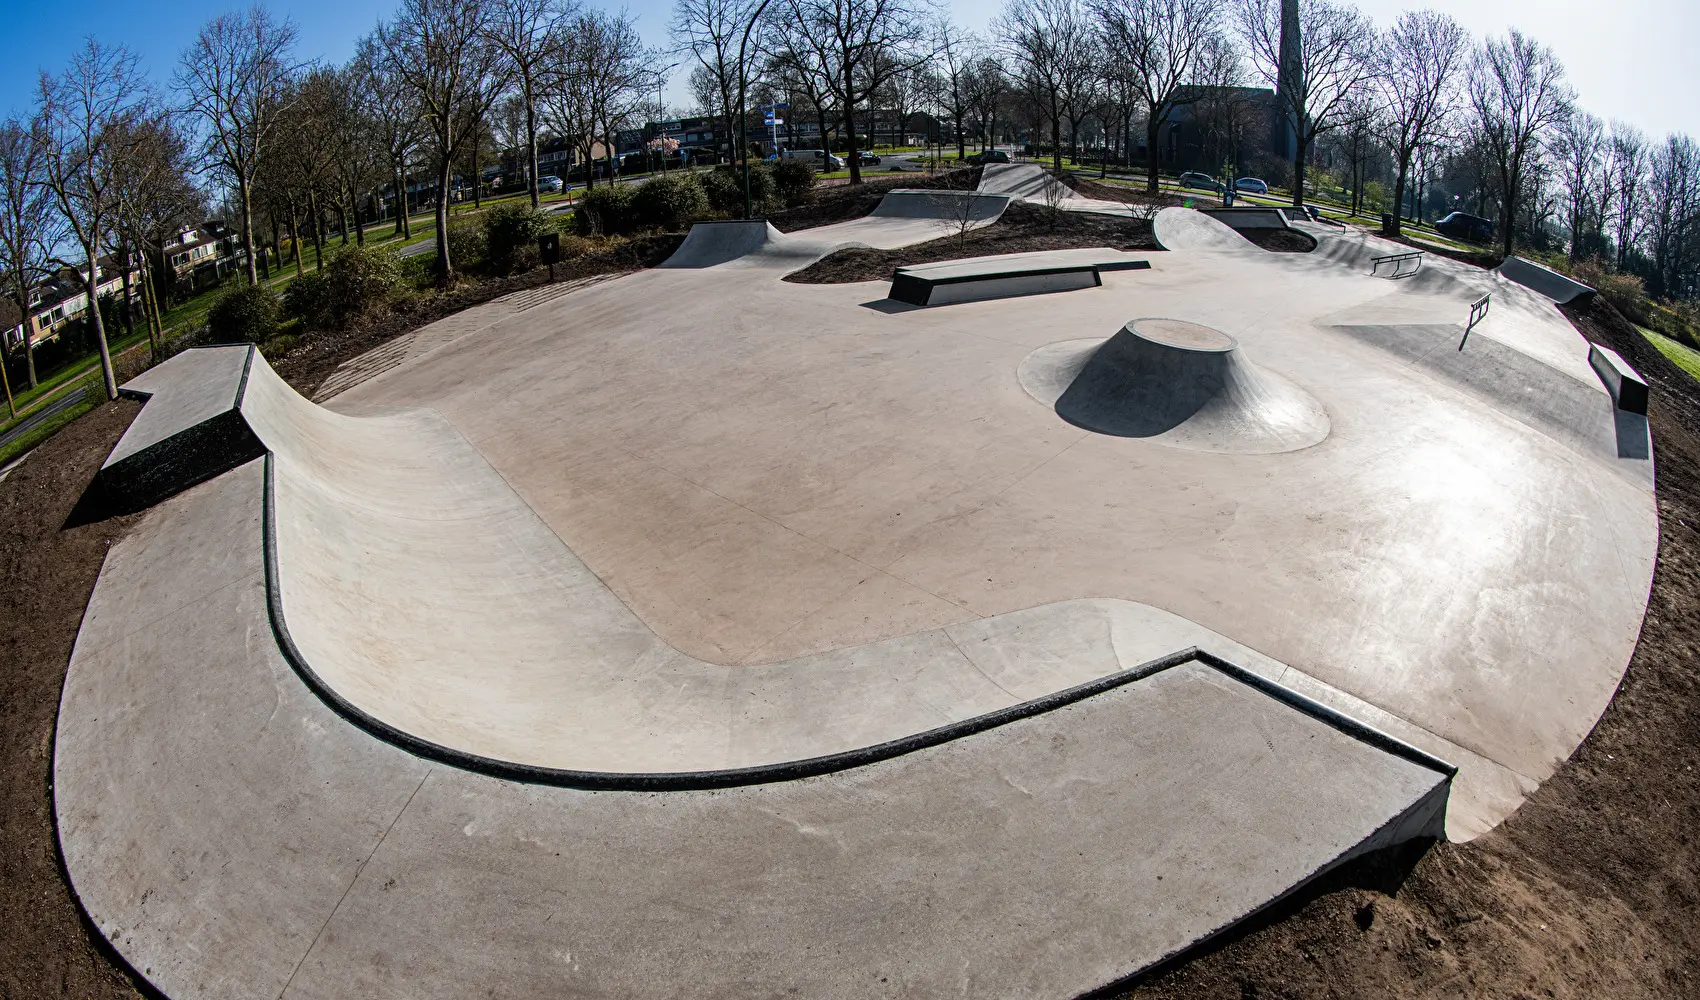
pixel 606 210
pixel 468 249
pixel 724 193
pixel 309 297
pixel 725 188
pixel 669 203
pixel 510 237
pixel 1622 290
pixel 794 178
pixel 245 314
pixel 361 278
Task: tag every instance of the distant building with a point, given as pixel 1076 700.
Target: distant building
pixel 198 258
pixel 61 299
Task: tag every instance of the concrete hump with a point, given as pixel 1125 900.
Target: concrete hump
pixel 1544 280
pixel 1190 229
pixel 1191 387
pixel 712 243
pixel 944 205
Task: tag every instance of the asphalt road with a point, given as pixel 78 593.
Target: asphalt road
pixel 25 425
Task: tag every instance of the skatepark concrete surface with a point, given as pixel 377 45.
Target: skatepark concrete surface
pixel 828 657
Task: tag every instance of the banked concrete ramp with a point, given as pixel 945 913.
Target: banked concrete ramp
pixel 1029 182
pixel 1190 229
pixel 232 836
pixel 903 217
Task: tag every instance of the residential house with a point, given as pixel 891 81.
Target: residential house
pixel 60 299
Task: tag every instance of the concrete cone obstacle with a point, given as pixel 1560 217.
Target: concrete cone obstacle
pixel 1186 385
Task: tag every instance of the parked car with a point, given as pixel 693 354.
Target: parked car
pixel 549 184
pixel 866 158
pixel 1200 182
pixel 1251 185
pixel 1462 226
pixel 820 159
pixel 987 156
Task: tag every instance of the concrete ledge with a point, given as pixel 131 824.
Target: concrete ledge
pixel 190 428
pixel 981 278
pixel 1557 287
pixel 1628 389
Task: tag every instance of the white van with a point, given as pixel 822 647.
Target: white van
pixel 820 159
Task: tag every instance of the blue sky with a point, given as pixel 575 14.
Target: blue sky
pixel 1630 59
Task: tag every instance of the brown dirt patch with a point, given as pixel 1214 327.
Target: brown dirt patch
pixel 46 575
pixel 1280 240
pixel 1023 228
pixel 1088 188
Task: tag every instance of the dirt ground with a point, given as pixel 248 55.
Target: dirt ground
pixel 1590 890
pixel 1022 228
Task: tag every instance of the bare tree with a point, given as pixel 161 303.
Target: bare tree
pixel 1423 54
pixel 1517 93
pixel 441 50
pixel 81 126
pixel 1334 67
pixel 712 31
pixel 956 50
pixel 1579 145
pixel 391 113
pixel 1627 169
pixel 234 79
pixel 528 33
pixel 861 44
pixel 155 197
pixel 988 91
pixel 1673 216
pixel 1048 40
pixel 27 227
pixel 1158 45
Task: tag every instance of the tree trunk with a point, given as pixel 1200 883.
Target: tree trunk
pixel 445 267
pixel 295 236
pixel 1301 146
pixel 850 127
pixel 1056 137
pixel 1152 124
pixel 1399 180
pixel 91 283
pixel 6 379
pixel 530 142
pixel 29 334
pixel 243 195
pixel 477 175
pixel 359 226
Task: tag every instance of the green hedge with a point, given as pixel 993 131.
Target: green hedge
pixel 510 237
pixel 245 314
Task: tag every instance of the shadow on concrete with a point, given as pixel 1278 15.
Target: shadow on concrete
pixel 890 306
pixel 1383 872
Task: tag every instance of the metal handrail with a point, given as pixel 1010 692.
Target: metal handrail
pixel 1398 261
pixel 1478 312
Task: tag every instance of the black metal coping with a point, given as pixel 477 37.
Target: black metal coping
pixel 785 770
pixel 1628 389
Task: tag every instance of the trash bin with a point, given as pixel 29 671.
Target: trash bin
pixel 1387 223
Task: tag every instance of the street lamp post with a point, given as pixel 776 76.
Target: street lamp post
pixel 743 91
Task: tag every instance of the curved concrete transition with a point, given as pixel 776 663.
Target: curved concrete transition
pixel 1559 287
pixel 711 243
pixel 1029 182
pixel 903 217
pixel 1190 229
pixel 1182 384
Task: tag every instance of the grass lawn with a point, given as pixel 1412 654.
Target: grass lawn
pixel 1680 354
pixel 95 395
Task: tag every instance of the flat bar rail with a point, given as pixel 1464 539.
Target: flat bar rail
pixel 1398 262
